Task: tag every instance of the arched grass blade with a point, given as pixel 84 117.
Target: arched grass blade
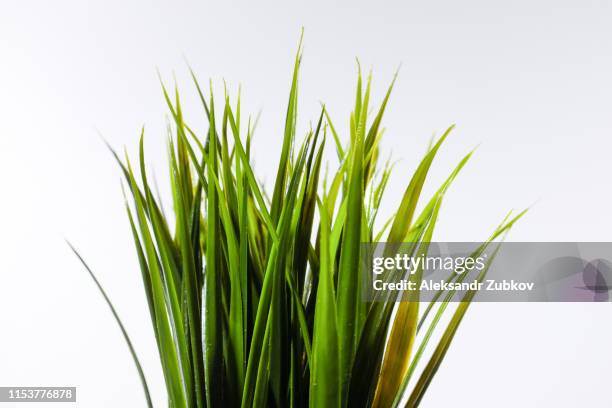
pixel 126 337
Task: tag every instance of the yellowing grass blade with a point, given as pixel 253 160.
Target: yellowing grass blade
pixel 403 331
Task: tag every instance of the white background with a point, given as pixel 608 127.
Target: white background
pixel 527 80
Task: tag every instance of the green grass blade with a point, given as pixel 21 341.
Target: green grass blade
pixel 325 385
pixel 403 218
pixel 290 122
pixel 211 305
pixel 126 337
pixel 348 290
pixel 444 344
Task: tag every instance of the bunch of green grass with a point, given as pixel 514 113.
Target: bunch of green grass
pixel 256 301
